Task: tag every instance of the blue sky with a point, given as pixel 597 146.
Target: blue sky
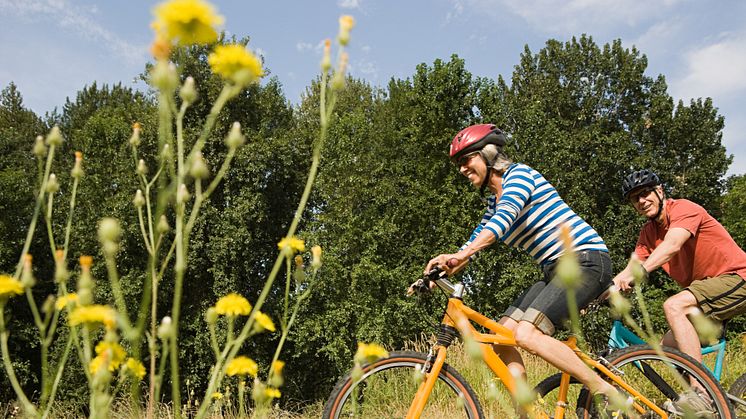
pixel 52 48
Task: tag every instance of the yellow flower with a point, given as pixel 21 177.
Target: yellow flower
pixel 242 365
pixel 264 322
pixel 65 299
pixel 187 21
pixel 135 368
pixel 117 353
pixel 292 244
pixel 272 393
pixel 217 395
pixel 233 62
pixel 233 305
pixel 94 314
pixel 95 364
pixel 9 287
pixel 369 352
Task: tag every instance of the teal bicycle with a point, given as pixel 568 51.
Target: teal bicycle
pixel 621 337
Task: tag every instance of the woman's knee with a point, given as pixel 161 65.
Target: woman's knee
pixel 525 335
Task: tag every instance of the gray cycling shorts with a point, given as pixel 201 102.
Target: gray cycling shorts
pixel 544 304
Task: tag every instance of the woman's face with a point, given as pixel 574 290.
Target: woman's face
pixel 473 167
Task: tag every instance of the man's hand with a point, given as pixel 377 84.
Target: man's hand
pixel 623 281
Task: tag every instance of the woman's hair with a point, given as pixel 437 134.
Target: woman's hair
pixel 496 155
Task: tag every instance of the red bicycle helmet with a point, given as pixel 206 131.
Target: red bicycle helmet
pixel 474 138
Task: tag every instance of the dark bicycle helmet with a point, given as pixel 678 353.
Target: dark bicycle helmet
pixel 474 138
pixel 637 180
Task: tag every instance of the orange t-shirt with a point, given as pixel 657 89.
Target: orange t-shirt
pixel 709 252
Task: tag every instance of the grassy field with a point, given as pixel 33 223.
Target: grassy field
pixel 476 373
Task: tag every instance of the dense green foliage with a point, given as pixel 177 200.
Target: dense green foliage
pixel 387 198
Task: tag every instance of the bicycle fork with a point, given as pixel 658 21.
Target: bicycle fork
pixel 431 369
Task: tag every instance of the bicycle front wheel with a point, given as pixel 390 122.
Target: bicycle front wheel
pixel 662 378
pixel 388 386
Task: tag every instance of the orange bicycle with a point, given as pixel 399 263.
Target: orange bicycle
pixel 413 385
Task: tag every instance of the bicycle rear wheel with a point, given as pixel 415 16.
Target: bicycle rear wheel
pixel 661 379
pixel 388 386
pixel 548 390
pixel 738 390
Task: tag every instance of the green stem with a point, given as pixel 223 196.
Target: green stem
pixel 68 227
pixel 27 405
pixel 35 217
pixel 58 376
pixel 48 223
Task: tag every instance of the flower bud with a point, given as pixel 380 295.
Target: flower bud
pixel 48 306
pixel 357 373
pixel 338 80
pixel 61 275
pixel 139 199
pixel 316 257
pixel 27 275
pixel 707 330
pixel 199 168
pixel 85 282
pixel 54 138
pixel 77 171
pixel 40 150
pixel 142 168
pixel 109 230
pixel 182 195
pixel 235 139
pixel 52 184
pixel 326 61
pixel 299 274
pixel 346 23
pixel 211 315
pixel 166 153
pixel 163 76
pixel 524 394
pixel 165 330
pixel 568 271
pixel 135 138
pixel 188 93
pixel 639 273
pixel 620 306
pixel 163 227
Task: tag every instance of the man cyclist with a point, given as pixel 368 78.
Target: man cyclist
pixel 525 211
pixel 695 250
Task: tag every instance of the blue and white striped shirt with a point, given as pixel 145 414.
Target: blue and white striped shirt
pixel 528 216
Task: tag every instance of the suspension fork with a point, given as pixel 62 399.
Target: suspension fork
pixel 432 367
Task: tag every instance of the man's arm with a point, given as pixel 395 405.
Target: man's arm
pixel 671 244
pixel 669 247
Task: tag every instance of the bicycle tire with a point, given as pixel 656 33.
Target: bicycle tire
pixel 547 390
pixel 738 389
pixel 630 360
pixel 452 394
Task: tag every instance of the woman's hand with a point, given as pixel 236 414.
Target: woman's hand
pixel 451 263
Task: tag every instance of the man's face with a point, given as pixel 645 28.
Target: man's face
pixel 473 167
pixel 646 201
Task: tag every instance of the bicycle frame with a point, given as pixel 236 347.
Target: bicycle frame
pixel 621 337
pixel 458 317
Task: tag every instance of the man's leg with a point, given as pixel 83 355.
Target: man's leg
pixel 509 354
pixel 530 338
pixel 684 334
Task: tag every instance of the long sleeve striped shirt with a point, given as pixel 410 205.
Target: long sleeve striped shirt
pixel 528 215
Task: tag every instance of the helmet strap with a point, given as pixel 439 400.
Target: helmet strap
pixel 487 175
pixel 660 206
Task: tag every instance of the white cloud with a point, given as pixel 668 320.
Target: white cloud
pixel 572 16
pixel 303 46
pixel 713 70
pixel 456 11
pixel 349 4
pixel 67 16
pixel 659 37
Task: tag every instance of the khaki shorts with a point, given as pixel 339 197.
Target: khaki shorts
pixel 720 297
